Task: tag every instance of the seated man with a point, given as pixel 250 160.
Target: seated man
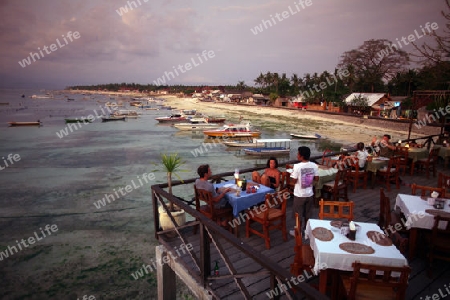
pixel 202 183
pixel 386 147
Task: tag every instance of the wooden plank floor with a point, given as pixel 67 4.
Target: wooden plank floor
pixel 282 253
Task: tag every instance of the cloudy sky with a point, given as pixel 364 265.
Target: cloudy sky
pixel 148 41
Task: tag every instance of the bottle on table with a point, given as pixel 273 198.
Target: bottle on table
pixel 244 184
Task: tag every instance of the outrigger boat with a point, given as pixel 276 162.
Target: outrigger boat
pixel 272 147
pixel 15 124
pixel 233 131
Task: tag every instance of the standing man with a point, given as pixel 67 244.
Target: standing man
pixel 303 175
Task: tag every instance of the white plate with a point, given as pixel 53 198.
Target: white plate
pixel 230 185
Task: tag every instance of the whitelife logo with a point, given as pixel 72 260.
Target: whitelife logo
pixel 266 24
pixel 35 56
pixel 187 66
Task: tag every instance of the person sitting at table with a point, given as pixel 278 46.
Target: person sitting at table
pixel 271 175
pixel 202 183
pixel 386 147
pixel 361 153
pixel 303 176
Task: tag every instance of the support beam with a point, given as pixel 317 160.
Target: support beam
pixel 167 273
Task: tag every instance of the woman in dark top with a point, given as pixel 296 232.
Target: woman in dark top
pixel 271 175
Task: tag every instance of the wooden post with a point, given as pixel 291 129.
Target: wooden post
pixel 167 288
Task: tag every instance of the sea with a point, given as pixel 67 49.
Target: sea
pixel 100 156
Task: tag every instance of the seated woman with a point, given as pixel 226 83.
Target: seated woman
pixel 271 175
pixel 361 153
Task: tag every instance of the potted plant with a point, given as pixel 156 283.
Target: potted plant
pixel 171 164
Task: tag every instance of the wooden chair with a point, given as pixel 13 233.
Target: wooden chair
pixel 304 256
pixel 363 285
pixel 285 182
pixel 327 159
pixel 439 246
pixel 403 159
pixel 401 242
pixel 355 174
pixel 337 210
pixel 272 217
pixel 444 182
pixel 208 209
pixel 426 190
pixel 387 216
pixel 390 173
pixel 429 163
pixel 338 187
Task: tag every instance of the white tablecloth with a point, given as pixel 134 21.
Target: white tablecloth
pixel 413 207
pixel 329 255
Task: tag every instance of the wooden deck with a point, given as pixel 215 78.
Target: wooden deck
pixel 282 253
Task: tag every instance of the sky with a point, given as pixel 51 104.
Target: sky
pixel 214 42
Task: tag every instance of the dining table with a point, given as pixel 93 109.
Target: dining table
pixel 334 251
pixel 419 216
pixel 244 200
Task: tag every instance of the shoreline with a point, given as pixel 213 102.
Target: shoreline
pixel 342 129
pixel 338 128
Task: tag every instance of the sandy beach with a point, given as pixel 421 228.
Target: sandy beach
pixel 341 129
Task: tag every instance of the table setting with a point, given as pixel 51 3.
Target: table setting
pixel 337 244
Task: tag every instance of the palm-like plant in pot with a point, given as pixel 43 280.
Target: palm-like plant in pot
pixel 172 164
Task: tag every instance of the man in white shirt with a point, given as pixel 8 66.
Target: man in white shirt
pixel 303 175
